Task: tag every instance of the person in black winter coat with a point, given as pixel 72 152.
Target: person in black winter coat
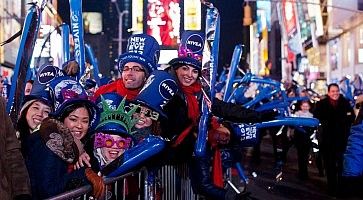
pixel 183 112
pixel 336 116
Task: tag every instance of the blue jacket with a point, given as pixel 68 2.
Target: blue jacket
pixel 47 171
pixel 353 157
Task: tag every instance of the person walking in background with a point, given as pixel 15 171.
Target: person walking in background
pixel 302 140
pixel 336 116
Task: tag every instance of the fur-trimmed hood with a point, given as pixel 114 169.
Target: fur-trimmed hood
pixel 59 139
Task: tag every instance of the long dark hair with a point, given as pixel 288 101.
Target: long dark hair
pixel 73 107
pixel 69 109
pixel 22 126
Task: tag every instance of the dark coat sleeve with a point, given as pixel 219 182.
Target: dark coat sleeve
pixel 177 112
pixel 48 172
pixel 55 178
pixel 16 168
pixel 237 113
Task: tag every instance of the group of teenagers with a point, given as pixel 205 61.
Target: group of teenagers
pixel 69 138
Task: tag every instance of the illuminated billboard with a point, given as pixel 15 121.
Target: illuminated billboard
pixel 92 22
pixel 137 16
pixel 9 26
pixel 192 15
pixel 263 15
pixel 163 22
pixel 289 17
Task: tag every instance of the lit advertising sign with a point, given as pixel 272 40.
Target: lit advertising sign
pixel 192 15
pixel 289 17
pixel 92 22
pixel 137 16
pixel 264 9
pixel 9 26
pixel 315 14
pixel 163 22
pixel 305 29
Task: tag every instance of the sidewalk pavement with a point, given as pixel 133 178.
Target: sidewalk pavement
pixel 265 186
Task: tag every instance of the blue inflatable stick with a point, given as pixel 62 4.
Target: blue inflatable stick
pixel 236 57
pixel 94 63
pixel 65 38
pixel 134 157
pixel 77 32
pixel 25 52
pixel 209 78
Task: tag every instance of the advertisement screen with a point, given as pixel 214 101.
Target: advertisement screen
pixel 265 8
pixel 163 22
pixel 137 16
pixel 92 22
pixel 289 17
pixel 192 15
pixel 9 27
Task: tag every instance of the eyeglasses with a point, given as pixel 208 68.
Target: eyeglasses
pixel 147 112
pixel 133 68
pixel 106 140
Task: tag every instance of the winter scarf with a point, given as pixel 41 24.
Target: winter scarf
pixel 190 93
pixel 118 87
pixel 217 170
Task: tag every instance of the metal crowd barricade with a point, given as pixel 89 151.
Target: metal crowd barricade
pixel 173 182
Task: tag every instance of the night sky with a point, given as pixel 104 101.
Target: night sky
pixel 231 27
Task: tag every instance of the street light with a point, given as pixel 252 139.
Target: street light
pixel 120 17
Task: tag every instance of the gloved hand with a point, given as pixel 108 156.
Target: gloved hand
pixel 71 68
pixel 220 135
pixel 268 115
pixel 58 138
pixel 97 183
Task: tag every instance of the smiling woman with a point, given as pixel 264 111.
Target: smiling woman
pixel 56 145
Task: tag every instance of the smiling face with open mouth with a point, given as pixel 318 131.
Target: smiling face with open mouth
pixel 78 122
pixel 36 113
pixel 145 117
pixel 187 75
pixel 114 146
pixel 133 75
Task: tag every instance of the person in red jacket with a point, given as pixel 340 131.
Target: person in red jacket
pixel 135 66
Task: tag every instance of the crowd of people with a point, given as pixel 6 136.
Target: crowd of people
pixel 69 134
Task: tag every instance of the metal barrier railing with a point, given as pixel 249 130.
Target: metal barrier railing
pixel 171 182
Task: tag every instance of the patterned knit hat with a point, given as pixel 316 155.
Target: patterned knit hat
pixel 143 49
pixel 65 92
pixel 190 50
